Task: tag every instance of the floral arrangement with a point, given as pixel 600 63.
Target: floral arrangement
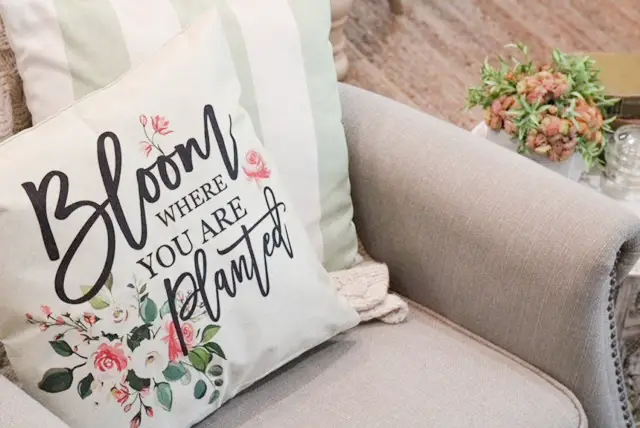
pixel 553 110
pixel 126 350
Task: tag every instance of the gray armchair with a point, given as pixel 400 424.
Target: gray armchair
pixel 513 273
pixel 493 242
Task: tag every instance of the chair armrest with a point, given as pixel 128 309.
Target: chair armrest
pixel 19 410
pixel 496 243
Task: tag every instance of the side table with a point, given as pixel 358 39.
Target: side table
pixel 628 301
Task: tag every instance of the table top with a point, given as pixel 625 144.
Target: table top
pixel 591 180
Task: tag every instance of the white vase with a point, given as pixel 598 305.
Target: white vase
pixel 572 168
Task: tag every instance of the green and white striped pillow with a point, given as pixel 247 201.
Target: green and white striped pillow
pixel 65 49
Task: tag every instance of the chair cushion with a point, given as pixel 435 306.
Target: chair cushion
pixel 424 373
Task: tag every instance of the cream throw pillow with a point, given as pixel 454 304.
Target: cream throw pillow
pixel 66 49
pixel 153 266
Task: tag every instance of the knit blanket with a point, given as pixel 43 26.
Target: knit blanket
pixel 366 288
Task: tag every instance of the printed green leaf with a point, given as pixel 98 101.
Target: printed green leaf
pixel 143 289
pixel 149 311
pixel 62 348
pixel 186 379
pixel 164 395
pixel 98 302
pixel 214 348
pixel 200 358
pixel 218 382
pixel 164 309
pixel 84 386
pixel 214 396
pixel 138 334
pixel 215 370
pixel 109 282
pixel 137 383
pixel 56 380
pixel 200 389
pixel 174 372
pixel 110 336
pixel 209 332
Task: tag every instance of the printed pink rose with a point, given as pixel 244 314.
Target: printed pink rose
pixel 143 120
pixel 43 327
pixel 90 318
pixel 109 361
pixel 256 168
pixel 29 316
pixel 171 339
pixel 160 125
pixel 253 157
pixel 59 321
pixel 149 411
pixel 46 310
pixel 188 333
pixel 121 394
pixel 127 407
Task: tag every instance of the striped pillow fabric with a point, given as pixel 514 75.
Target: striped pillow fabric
pixel 65 49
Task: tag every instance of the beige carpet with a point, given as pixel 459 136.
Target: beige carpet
pixel 429 57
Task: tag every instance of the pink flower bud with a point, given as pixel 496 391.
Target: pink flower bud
pixel 46 310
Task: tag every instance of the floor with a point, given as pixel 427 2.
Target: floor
pixel 429 57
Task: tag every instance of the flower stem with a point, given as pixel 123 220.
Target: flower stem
pixel 78 324
pixel 151 141
pixel 155 333
pixel 78 366
pixel 81 356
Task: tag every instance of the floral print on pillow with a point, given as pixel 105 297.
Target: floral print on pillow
pixel 127 349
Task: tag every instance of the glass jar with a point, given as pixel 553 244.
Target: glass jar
pixel 621 177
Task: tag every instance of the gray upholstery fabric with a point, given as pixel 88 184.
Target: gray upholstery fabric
pixel 21 411
pixel 420 374
pixel 494 242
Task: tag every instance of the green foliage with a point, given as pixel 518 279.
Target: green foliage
pixel 583 81
pixel 56 380
pixel 495 81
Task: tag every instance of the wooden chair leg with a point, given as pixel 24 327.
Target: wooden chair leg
pixel 397 7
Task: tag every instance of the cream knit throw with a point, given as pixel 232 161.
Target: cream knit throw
pixel 366 288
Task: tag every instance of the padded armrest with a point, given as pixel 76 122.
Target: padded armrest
pixel 494 242
pixel 18 410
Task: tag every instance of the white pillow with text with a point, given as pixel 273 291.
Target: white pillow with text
pixel 152 266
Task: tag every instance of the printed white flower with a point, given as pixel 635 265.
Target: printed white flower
pixel 150 359
pixel 100 391
pixel 121 319
pixel 117 311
